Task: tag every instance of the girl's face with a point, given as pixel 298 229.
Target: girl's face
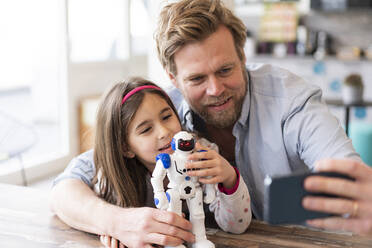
pixel 151 130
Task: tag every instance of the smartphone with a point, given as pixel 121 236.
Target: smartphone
pixel 283 198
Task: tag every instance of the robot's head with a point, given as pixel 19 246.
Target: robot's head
pixel 183 141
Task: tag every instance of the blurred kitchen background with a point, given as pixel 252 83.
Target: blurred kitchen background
pixel 58 56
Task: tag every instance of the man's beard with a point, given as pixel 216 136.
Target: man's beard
pixel 224 118
pixel 227 117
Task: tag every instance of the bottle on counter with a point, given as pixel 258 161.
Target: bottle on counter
pixel 301 40
pixel 250 46
pixel 321 51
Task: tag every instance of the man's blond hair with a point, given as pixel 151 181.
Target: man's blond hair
pixel 187 21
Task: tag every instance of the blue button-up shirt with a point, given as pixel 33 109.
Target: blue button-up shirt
pixel 284 127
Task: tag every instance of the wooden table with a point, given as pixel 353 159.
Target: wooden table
pixel 25 221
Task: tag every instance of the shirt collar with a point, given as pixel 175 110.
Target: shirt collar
pixel 243 119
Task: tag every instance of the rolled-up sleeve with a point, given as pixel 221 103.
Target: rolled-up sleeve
pixel 81 167
pixel 313 133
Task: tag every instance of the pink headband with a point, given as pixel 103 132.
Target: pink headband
pixel 132 92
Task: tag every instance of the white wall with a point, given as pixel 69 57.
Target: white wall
pixel 89 79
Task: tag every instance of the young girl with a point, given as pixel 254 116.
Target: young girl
pixel 136 120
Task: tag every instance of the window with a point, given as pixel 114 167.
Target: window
pixel 139 27
pixel 107 30
pixel 53 53
pixel 32 82
pixel 98 30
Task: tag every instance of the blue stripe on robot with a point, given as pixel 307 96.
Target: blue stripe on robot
pixel 156 201
pixel 173 144
pixel 168 196
pixel 165 158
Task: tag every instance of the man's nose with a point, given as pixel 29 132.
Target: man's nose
pixel 215 86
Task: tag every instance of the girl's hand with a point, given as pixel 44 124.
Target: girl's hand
pixel 110 242
pixel 148 227
pixel 211 167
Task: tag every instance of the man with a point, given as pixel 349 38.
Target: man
pixel 265 120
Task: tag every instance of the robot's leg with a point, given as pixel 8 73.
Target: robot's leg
pixel 175 205
pixel 197 217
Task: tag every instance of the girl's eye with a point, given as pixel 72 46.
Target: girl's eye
pixel 167 117
pixel 145 130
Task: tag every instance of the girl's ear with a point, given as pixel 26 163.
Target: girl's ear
pixel 129 154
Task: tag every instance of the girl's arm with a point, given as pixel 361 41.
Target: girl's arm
pixel 232 206
pixel 233 211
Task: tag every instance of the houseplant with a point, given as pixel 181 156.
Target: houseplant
pixel 352 89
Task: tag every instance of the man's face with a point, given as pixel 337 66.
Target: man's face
pixel 212 79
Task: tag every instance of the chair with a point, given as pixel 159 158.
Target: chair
pixel 16 137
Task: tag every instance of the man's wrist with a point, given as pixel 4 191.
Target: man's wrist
pixel 109 218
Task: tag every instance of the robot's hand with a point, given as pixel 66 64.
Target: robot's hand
pixel 209 197
pixel 161 200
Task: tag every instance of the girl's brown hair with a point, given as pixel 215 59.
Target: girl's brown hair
pixel 121 179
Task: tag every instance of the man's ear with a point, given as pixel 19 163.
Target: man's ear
pixel 172 79
pixel 129 154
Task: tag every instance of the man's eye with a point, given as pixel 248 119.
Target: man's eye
pixel 225 71
pixel 196 79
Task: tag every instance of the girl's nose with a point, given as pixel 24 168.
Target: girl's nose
pixel 163 132
pixel 215 86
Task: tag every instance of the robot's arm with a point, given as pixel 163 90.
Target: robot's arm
pixel 209 189
pixel 162 163
pixel 210 193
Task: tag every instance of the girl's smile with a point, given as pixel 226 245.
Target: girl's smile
pixel 166 149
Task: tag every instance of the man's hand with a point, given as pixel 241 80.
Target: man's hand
pixel 212 167
pixel 356 203
pixel 145 227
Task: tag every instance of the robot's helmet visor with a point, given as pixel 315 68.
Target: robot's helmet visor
pixel 186 145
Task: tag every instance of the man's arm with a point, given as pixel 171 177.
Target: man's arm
pixel 312 132
pixel 74 202
pixel 318 138
pixel 78 206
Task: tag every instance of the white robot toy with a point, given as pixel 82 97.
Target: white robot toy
pixel 181 186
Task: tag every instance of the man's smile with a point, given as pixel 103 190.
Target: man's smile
pixel 221 105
